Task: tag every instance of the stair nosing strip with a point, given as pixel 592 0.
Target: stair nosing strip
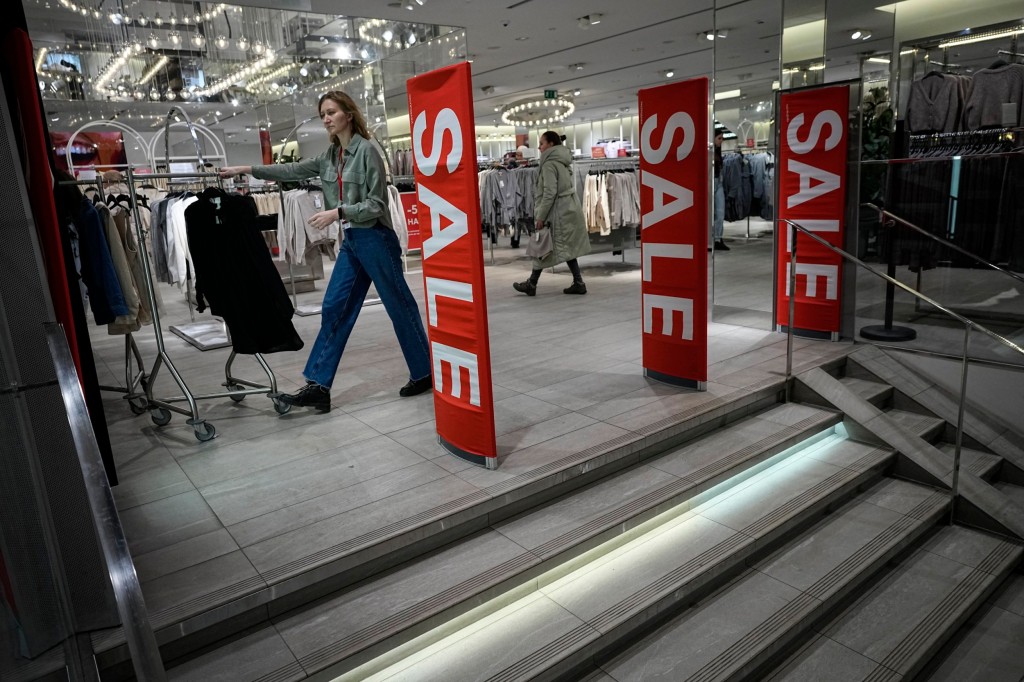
pixel 686 415
pixel 930 624
pixel 282 673
pixel 674 488
pixel 752 641
pixel 171 614
pixel 414 614
pixel 832 482
pixel 515 671
pixel 883 674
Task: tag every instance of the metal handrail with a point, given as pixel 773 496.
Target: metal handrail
pixel 944 242
pixel 131 606
pixel 968 325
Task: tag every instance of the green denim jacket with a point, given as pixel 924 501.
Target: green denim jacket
pixel 366 198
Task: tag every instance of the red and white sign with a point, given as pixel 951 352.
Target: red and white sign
pixel 674 139
pixel 812 193
pixel 443 138
pixel 412 219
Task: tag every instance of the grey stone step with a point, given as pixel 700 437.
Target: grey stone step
pixel 897 628
pixel 428 518
pixel 432 590
pixel 982 464
pixel 874 392
pixel 736 632
pixel 924 426
pixel 1014 492
pixel 988 648
pixel 589 606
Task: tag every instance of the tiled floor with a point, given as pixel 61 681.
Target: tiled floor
pixel 270 491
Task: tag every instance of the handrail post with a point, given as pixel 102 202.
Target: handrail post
pixel 953 492
pixel 792 311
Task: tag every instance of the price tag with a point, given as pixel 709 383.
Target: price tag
pixel 317 202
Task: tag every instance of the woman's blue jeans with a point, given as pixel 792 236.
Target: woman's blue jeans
pixel 367 255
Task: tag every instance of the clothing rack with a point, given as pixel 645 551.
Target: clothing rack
pixel 236 388
pixel 986 141
pixel 613 164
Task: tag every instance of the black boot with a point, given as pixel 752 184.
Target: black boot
pixel 310 395
pixel 526 287
pixel 720 245
pixel 416 386
pixel 577 287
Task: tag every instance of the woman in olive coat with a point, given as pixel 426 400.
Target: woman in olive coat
pixel 557 206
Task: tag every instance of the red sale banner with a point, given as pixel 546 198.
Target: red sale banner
pixel 412 220
pixel 448 205
pixel 674 148
pixel 812 193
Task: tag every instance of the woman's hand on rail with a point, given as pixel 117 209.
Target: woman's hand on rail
pixel 231 171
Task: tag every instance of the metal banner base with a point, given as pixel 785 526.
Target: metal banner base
pixel 810 333
pixel 675 381
pixel 486 462
pixel 880 332
pixel 204 335
pixel 308 309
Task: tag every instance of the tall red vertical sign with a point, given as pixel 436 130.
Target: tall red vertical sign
pixel 674 221
pixel 812 193
pixel 443 140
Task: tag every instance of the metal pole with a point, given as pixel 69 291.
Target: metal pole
pixel 792 312
pixel 954 490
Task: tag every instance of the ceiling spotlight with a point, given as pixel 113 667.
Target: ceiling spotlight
pixel 577 92
pixel 723 33
pixel 221 41
pixel 324 40
pixel 408 5
pixel 327 71
pixel 364 53
pixel 576 67
pixel 860 34
pixel 710 35
pixel 669 73
pixel 589 20
pixel 303 71
pixel 412 38
pixel 387 35
pixel 421 2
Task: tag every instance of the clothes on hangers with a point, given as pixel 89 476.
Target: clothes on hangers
pixel 397 209
pixel 106 299
pixel 992 91
pixel 936 103
pixel 235 273
pixel 295 236
pixel 747 181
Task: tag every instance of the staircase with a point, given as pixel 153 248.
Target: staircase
pixel 807 540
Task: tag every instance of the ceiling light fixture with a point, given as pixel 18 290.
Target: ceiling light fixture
pixel 860 34
pixel 243 73
pixel 153 70
pixel 669 73
pixel 576 67
pixel 723 33
pixel 589 20
pixel 979 37
pixel 727 94
pixel 243 43
pixel 577 92
pixel 174 37
pixel 41 57
pixel 258 48
pixel 408 5
pixel 198 39
pixel 879 60
pixel 709 35
pixel 537 112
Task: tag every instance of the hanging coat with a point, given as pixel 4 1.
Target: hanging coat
pixel 556 203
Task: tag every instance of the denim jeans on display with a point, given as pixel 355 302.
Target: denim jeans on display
pixel 369 254
pixel 719 220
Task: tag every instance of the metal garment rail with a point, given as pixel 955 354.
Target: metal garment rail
pixel 237 388
pixel 964 359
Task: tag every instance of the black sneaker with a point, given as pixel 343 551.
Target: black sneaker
pixel 720 246
pixel 416 386
pixel 310 395
pixel 576 288
pixel 527 287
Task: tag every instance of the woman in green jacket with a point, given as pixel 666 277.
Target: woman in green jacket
pixel 557 207
pixel 354 193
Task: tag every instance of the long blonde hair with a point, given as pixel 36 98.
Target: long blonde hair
pixel 349 106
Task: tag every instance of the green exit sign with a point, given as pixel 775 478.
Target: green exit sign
pixel 550 94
